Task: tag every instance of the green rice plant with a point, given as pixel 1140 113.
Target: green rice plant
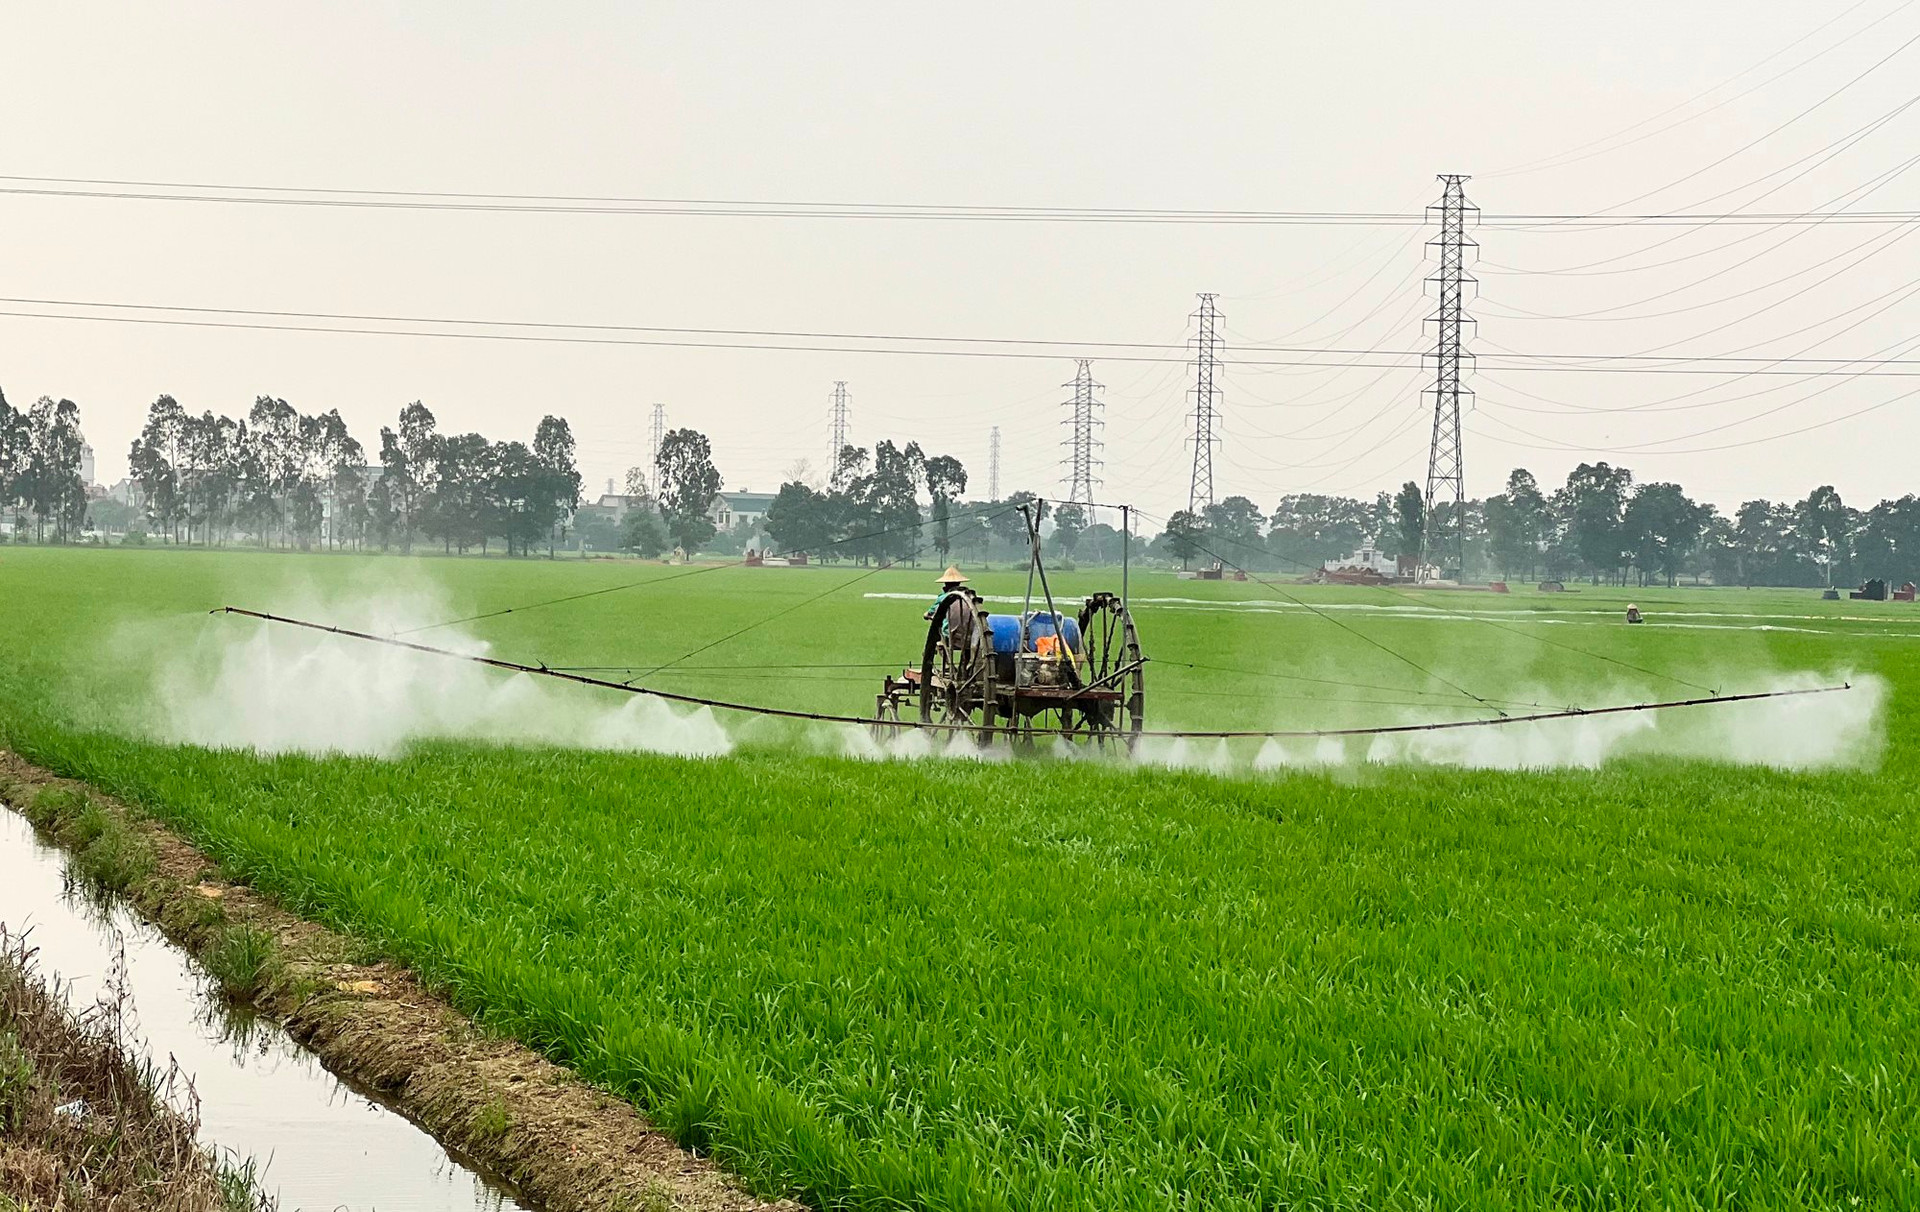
pixel 50 806
pixel 16 1081
pixel 491 1121
pixel 243 960
pixel 117 859
pixel 1667 980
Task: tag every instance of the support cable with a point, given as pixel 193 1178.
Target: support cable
pixel 830 718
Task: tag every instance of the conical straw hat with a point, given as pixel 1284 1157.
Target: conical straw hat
pixel 952 574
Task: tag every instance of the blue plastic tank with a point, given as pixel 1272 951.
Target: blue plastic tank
pixel 1009 635
pixel 1004 631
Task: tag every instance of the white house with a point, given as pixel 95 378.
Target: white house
pixel 739 509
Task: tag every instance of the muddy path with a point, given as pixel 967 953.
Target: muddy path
pixel 562 1144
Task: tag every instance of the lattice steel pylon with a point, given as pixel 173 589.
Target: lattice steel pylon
pixel 658 432
pixel 837 428
pixel 1206 361
pixel 1081 443
pixel 993 464
pixel 1446 470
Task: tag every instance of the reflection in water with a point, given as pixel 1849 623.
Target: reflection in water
pixel 317 1144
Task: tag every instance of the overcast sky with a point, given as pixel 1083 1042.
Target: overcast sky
pixel 1350 107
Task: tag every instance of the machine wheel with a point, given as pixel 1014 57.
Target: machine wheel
pixel 1113 660
pixel 956 667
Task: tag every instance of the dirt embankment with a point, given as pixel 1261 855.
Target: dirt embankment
pixel 564 1144
pixel 85 1127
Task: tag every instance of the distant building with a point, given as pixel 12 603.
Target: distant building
pixel 613 506
pixel 739 509
pixel 86 463
pixel 1368 559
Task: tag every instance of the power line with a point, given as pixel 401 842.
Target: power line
pixel 743 208
pixel 1673 363
pixel 1757 141
pixel 1569 155
pixel 1840 205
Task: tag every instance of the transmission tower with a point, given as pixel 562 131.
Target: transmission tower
pixel 837 427
pixel 659 432
pixel 1446 472
pixel 993 464
pixel 1081 444
pixel 1206 401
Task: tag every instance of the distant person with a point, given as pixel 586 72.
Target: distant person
pixel 1633 613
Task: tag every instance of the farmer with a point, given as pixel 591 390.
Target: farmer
pixel 1633 613
pixel 950 582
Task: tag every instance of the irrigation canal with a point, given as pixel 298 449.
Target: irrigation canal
pixel 318 1144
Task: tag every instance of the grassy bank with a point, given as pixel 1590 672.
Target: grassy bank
pixel 1664 982
pixel 86 1127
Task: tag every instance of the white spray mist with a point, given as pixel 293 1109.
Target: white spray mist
pixel 275 688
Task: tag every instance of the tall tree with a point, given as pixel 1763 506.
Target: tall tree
pixel 688 483
pixel 1010 524
pixel 1767 545
pixel 1307 529
pixel 54 491
pixel 887 502
pixel 800 519
pixel 1591 507
pixel 1069 523
pixel 1825 526
pixel 407 466
pixel 1184 536
pixel 1660 525
pixel 642 533
pixel 516 501
pixel 335 462
pixel 1238 522
pixel 1517 521
pixel 16 442
pixel 1410 516
pixel 559 477
pixel 16 446
pixel 454 505
pixel 946 480
pixel 279 446
pixel 1889 542
pixel 154 462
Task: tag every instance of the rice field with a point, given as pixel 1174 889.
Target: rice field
pixel 1654 972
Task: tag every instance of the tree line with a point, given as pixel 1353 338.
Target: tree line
pixel 869 511
pixel 40 454
pixel 1600 525
pixel 278 475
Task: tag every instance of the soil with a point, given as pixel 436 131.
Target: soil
pixel 565 1145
